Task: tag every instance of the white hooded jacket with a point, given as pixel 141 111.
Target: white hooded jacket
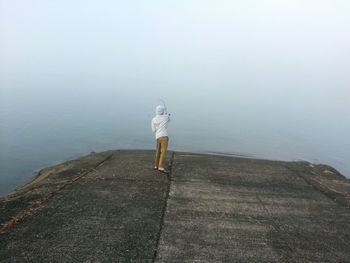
pixel 160 122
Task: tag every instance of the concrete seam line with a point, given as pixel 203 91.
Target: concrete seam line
pixel 326 193
pixel 155 254
pixel 44 199
pixel 278 226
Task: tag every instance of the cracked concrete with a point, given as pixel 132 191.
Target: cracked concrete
pixel 112 207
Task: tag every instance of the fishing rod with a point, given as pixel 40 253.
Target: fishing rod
pixel 165 108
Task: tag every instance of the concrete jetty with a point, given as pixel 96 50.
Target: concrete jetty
pixel 113 207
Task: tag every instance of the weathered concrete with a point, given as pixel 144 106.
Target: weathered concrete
pixel 112 207
pixel 111 214
pixel 244 210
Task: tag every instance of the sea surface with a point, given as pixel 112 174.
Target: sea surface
pixel 50 124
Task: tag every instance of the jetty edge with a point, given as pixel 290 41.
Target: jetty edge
pixel 113 207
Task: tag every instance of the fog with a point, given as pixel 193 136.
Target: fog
pixel 266 79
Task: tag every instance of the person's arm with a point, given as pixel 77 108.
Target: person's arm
pixel 153 127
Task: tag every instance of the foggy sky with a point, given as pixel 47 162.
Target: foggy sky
pixel 238 57
pixel 299 46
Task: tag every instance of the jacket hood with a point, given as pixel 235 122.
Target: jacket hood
pixel 160 110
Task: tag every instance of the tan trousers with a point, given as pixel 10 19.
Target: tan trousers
pixel 162 147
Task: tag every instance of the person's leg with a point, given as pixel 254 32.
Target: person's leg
pixel 156 163
pixel 163 151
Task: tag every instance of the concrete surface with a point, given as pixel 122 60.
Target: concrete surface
pixel 112 207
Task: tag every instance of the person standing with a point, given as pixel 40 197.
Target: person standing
pixel 160 129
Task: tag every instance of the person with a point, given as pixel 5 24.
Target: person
pixel 160 129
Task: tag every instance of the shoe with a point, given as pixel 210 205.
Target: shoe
pixel 163 171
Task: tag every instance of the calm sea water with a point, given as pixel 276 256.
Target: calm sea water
pixel 45 126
